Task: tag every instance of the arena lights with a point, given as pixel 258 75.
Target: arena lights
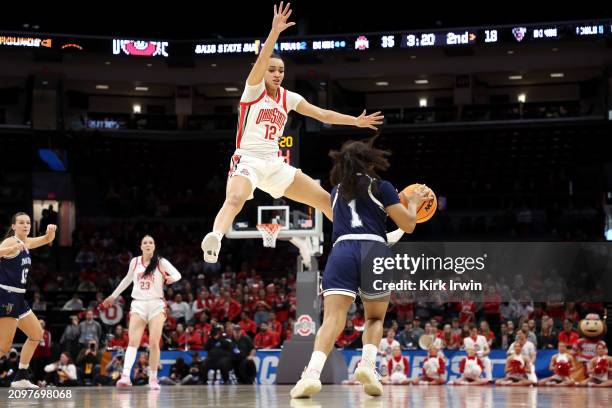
pixel 32 42
pixel 140 48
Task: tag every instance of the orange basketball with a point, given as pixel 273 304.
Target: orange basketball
pixel 426 210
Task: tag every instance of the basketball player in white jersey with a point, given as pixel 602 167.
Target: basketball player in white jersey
pixel 256 163
pixel 148 273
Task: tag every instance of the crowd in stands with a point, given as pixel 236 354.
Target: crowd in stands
pixel 249 310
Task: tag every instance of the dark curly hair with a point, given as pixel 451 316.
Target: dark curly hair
pixel 357 157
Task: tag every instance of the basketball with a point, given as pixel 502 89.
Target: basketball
pixel 426 210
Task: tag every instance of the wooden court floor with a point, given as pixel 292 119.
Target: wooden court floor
pixel 336 396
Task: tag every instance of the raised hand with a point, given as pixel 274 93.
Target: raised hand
pixel 369 121
pixel 51 228
pixel 281 14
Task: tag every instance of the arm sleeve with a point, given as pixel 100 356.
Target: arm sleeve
pixel 127 280
pixel 293 100
pixel 252 93
pixel 173 274
pixel 71 371
pixel 388 194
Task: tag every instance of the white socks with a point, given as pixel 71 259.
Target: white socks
pixel 218 234
pixel 152 374
pixel 128 360
pixel 369 353
pixel 315 366
pixel 23 366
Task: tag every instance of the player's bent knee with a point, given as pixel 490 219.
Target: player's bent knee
pixel 235 199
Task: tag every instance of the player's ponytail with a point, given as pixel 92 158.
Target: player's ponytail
pixel 353 158
pixel 11 232
pixel 153 263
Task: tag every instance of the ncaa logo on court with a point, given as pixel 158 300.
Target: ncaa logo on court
pixel 304 326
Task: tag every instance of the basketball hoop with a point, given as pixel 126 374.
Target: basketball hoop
pixel 269 232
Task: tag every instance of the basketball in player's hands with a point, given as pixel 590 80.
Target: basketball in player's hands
pixel 425 210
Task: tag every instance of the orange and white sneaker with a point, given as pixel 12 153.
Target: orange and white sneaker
pixel 308 385
pixel 124 382
pixel 366 374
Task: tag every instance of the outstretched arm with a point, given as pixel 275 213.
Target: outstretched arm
pixel 9 249
pixel 44 240
pixel 334 118
pixel 279 24
pixel 127 280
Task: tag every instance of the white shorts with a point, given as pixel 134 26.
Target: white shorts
pixel 271 175
pixel 148 309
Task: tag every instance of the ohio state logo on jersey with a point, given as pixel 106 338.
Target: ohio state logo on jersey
pixel 274 116
pixel 142 277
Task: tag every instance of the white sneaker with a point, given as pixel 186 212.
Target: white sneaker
pixel 25 383
pixel 306 387
pixel 211 245
pixel 366 374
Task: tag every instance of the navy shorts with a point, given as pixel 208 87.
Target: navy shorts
pixel 13 304
pixel 349 270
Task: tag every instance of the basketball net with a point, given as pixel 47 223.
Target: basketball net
pixel 269 232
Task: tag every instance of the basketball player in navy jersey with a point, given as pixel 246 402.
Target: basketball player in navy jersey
pixel 360 204
pixel 15 263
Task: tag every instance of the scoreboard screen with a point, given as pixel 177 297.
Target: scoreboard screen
pixel 357 42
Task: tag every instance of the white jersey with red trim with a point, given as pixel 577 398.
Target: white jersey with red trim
pixel 262 119
pixel 151 286
pixel 479 344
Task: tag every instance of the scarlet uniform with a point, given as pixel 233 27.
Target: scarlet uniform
pixel 399 364
pixel 601 368
pixel 516 367
pixel 471 367
pixel 562 365
pixel 434 368
pixel 261 122
pixel 148 291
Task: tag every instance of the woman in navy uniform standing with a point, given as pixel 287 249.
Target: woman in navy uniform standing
pixel 15 263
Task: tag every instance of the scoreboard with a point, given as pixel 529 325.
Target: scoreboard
pixel 357 42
